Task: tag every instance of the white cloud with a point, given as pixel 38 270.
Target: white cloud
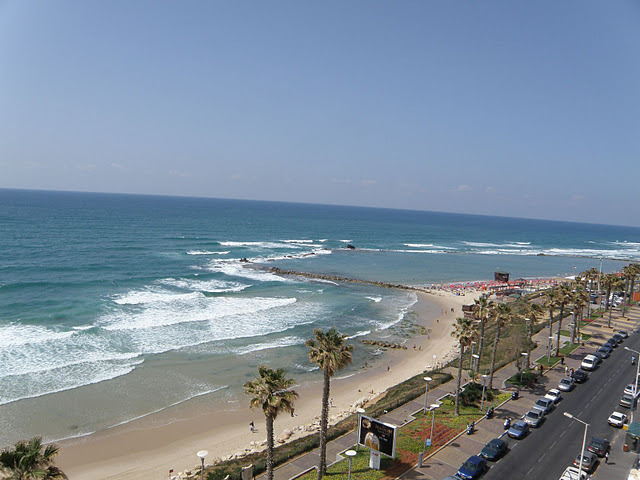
pixel 368 182
pixel 462 188
pixel 118 166
pixel 491 189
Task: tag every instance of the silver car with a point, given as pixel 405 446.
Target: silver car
pixel 544 404
pixel 534 417
pixel 566 384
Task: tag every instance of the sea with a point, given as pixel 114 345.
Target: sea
pixel 115 308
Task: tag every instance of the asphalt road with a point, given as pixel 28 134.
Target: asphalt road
pixel 549 449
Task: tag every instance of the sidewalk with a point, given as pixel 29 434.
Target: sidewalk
pixel 447 460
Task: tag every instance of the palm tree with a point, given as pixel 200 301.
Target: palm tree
pixel 532 312
pixel 501 313
pixel 628 273
pixel 636 269
pixel 482 306
pixel 550 302
pixel 579 299
pixel 26 460
pixel 330 352
pixel 564 297
pixel 610 281
pixel 271 391
pixel 464 333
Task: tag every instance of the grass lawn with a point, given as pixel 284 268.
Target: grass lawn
pixel 567 333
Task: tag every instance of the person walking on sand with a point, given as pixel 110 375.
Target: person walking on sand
pixel 252 427
pixel 606 458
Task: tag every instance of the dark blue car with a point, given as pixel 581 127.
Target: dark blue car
pixel 473 468
pixel 518 430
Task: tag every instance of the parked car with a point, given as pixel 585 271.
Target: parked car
pixel 623 333
pixel 566 384
pixel 534 417
pixel 604 351
pixel 572 473
pixel 610 345
pixel 627 400
pixel 590 362
pixel 617 419
pixel 619 338
pixel 599 446
pixel 494 449
pixel 580 376
pixel 613 341
pixel 554 394
pixel 599 355
pixel 544 404
pixel 519 429
pixel 473 468
pixel 630 389
pixel 589 461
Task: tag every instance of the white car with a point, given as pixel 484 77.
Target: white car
pixel 617 419
pixel 630 389
pixel 554 394
pixel 590 362
pixel 573 473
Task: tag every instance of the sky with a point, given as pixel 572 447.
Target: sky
pixel 525 109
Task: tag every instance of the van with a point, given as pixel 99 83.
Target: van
pixel 589 362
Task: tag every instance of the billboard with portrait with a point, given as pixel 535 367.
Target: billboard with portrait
pixel 377 435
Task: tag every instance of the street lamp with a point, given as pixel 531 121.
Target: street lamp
pixel 476 361
pixel 426 379
pixel 524 354
pixel 350 454
pixel 584 439
pixel 473 344
pixel 360 411
pixel 202 454
pixel 549 349
pixel 484 387
pixel 432 408
pixel 635 388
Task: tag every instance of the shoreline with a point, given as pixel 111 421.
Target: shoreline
pixel 138 452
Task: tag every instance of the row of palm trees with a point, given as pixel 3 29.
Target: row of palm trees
pixel 272 391
pixel 572 296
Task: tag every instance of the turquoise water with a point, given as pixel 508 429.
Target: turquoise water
pixel 122 305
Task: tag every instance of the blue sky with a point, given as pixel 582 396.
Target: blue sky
pixel 527 109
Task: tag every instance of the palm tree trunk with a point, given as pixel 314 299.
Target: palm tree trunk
pixel 480 342
pixel 530 333
pixel 624 296
pixel 610 311
pixel 269 448
pixel 573 329
pixel 559 328
pixel 459 380
pixel 324 420
pixel 493 356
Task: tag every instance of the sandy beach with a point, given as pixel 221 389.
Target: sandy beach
pixel 142 451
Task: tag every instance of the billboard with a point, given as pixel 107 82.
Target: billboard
pixel 377 436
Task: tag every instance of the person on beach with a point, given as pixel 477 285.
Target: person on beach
pixel 252 427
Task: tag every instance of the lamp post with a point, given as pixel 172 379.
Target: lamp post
pixel 635 385
pixel 584 439
pixel 549 346
pixel 432 408
pixel 426 392
pixel 202 454
pixel 350 454
pixel 360 411
pixel 471 361
pixel 484 387
pixel 435 361
pixel 524 354
pixel 477 362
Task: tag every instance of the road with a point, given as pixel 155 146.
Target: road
pixel 548 450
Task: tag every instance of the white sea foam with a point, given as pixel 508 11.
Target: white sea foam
pixel 189 308
pixel 237 269
pixel 346 241
pixel 210 286
pixel 257 244
pixel 306 368
pixel 279 343
pixel 138 297
pixel 206 252
pixel 375 299
pixel 298 241
pixel 361 333
pixel 15 335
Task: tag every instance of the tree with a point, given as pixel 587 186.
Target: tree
pixel 564 293
pixel 579 299
pixel 550 302
pixel 464 332
pixel 271 391
pixel 610 281
pixel 532 312
pixel 482 306
pixel 27 460
pixel 331 353
pixel 501 313
pixel 629 274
